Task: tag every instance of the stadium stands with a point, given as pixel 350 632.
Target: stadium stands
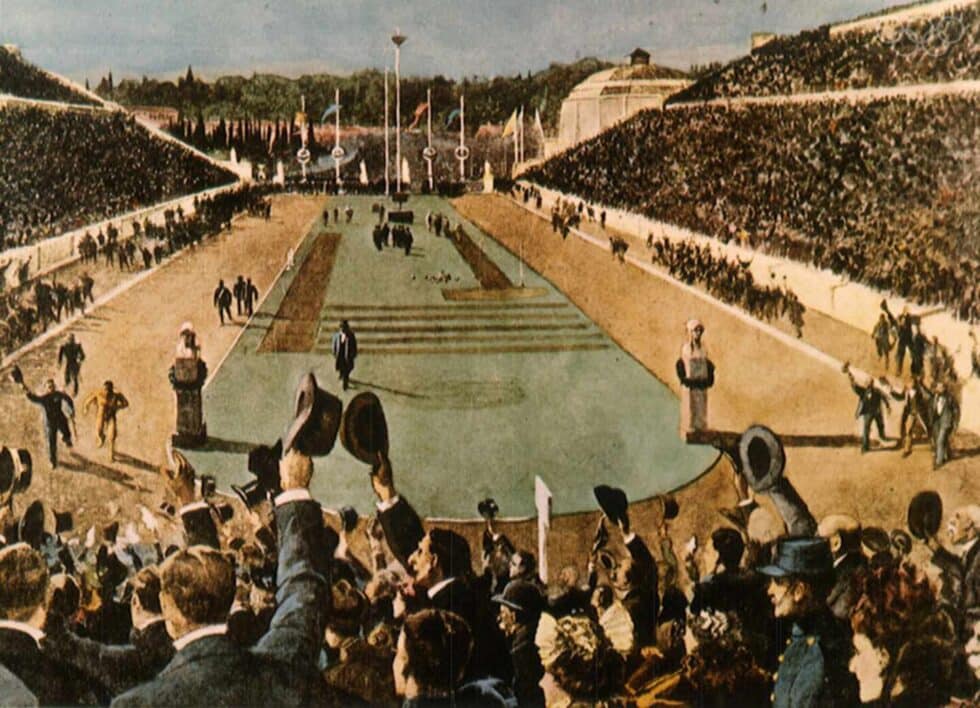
pixel 881 191
pixel 64 169
pixel 937 49
pixel 19 78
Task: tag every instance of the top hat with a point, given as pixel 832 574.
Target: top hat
pixel 16 375
pixel 925 514
pixel 263 462
pixel 762 458
pixel 363 430
pixel 15 470
pixel 35 524
pixel 800 556
pixel 520 596
pixel 876 539
pixel 348 518
pixel 671 507
pixel 488 508
pixel 314 429
pixel 613 503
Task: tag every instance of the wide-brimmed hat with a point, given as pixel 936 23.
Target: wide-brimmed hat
pixel 16 469
pixel 800 556
pixel 314 428
pixel 925 514
pixel 762 457
pixel 364 430
pixel 613 503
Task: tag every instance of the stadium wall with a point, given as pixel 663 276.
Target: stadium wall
pixel 55 252
pixel 821 290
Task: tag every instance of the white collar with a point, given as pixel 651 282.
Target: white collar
pixel 208 630
pixel 146 623
pixel 36 634
pixel 965 548
pixel 434 590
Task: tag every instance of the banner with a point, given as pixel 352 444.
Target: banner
pixel 419 112
pixel 453 115
pixel 511 124
pixel 329 112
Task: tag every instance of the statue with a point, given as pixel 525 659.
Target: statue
pixel 187 376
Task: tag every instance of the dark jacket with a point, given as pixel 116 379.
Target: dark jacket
pixel 870 400
pixel 642 599
pixel 50 680
pixel 282 668
pixel 116 667
pixel 844 593
pixel 528 671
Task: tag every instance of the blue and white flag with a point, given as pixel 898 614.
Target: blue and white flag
pixel 329 112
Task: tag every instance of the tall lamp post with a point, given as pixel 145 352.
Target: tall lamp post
pixel 398 39
pixel 462 152
pixel 430 152
pixel 387 147
pixel 338 151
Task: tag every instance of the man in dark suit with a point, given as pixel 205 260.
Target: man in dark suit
pixel 344 347
pixel 23 613
pixel 58 408
pixel 73 355
pixel 843 533
pixel 197 590
pixel 442 573
pixel 222 300
pixel 870 401
pixel 945 419
pixel 118 668
pixel 251 297
pixel 239 292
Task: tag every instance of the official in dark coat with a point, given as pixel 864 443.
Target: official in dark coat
pixel 870 402
pixel 222 300
pixel 58 408
pixel 72 354
pixel 945 419
pixel 344 347
pixel 197 590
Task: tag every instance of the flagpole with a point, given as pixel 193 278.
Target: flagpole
pixel 387 141
pixel 520 124
pixel 336 134
pixel 428 98
pixel 399 39
pixel 462 137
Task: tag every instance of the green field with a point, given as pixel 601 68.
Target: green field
pixel 481 396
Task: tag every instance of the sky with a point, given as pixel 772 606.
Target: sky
pixel 160 38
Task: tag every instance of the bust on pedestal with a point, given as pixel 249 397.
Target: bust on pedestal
pixel 187 376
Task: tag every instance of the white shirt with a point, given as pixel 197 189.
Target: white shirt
pixel 208 630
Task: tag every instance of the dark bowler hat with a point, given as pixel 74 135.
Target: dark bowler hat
pixel 762 458
pixel 925 514
pixel 876 539
pixel 30 528
pixel 314 429
pixel 348 518
pixel 15 470
pixel 487 508
pixel 520 596
pixel 800 556
pixel 364 430
pixel 613 503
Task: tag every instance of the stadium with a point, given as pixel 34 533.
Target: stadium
pixel 612 384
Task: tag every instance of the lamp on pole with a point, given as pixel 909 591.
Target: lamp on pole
pixel 338 151
pixel 398 39
pixel 387 145
pixel 462 152
pixel 430 152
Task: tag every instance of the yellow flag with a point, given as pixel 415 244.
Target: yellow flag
pixel 511 124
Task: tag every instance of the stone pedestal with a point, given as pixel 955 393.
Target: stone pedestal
pixel 187 377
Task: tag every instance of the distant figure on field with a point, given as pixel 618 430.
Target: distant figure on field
pixel 945 419
pixel 882 336
pixel 697 374
pixel 72 354
pixel 222 300
pixel 344 346
pixel 251 297
pixel 870 401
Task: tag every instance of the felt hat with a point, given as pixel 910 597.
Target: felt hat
pixel 925 514
pixel 313 431
pixel 364 430
pixel 487 508
pixel 800 557
pixel 762 457
pixel 348 518
pixel 613 503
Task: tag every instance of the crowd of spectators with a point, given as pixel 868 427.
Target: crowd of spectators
pixel 933 50
pixel 277 601
pixel 880 192
pixel 728 280
pixel 60 170
pixel 22 79
pixel 28 306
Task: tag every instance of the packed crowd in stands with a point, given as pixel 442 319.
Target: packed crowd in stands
pixel 881 192
pixel 22 79
pixel 729 281
pixel 933 50
pixel 270 599
pixel 60 170
pixel 28 306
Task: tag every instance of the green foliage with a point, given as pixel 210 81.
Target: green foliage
pixel 271 97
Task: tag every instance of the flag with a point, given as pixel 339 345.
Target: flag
pixel 453 115
pixel 330 111
pixel 419 112
pixel 511 125
pixel 272 138
pixel 537 123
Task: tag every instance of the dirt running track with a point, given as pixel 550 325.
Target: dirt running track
pixel 131 340
pixel 759 380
